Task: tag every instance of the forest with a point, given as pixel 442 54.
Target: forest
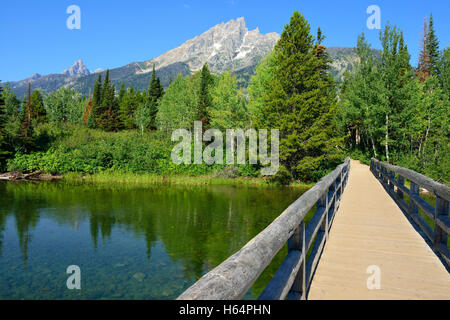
pixel 385 108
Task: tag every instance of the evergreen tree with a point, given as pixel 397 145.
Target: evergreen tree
pixel 26 127
pixel 432 44
pixel 107 113
pixel 97 95
pixel 300 102
pixel 106 84
pixel 128 106
pixel 424 67
pixel 38 112
pixel 122 92
pixel 155 92
pixel 204 97
pixel 88 119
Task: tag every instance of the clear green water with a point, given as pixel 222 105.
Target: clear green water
pixel 130 243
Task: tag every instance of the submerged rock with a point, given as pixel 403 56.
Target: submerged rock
pixel 119 265
pixel 139 276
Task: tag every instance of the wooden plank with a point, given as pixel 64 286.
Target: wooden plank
pixel 444 251
pixel 313 226
pixel 370 229
pixel 423 226
pixel 313 259
pixel 427 208
pixel 444 223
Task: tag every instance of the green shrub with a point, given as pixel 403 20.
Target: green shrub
pixel 282 177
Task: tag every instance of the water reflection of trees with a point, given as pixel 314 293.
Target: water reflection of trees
pixel 199 226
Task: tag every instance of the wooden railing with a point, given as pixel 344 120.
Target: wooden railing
pixel 232 279
pixel 439 213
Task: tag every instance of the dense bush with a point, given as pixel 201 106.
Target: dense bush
pixel 78 149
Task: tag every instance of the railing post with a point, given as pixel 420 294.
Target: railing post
pixel 297 242
pixel 440 236
pixel 391 181
pixel 401 183
pixel 338 186
pixel 413 191
pixel 332 200
pixel 323 203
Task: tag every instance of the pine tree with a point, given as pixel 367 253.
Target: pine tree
pixel 38 112
pixel 97 95
pixel 106 84
pixel 432 44
pixel 204 101
pixel 424 67
pixel 300 101
pixel 26 128
pixel 155 92
pixel 128 105
pixel 122 93
pixel 107 113
pixel 87 117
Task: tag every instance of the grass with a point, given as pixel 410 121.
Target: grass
pixel 110 177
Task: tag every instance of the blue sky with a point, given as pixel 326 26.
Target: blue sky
pixel 34 37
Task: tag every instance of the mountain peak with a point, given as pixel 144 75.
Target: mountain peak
pixel 228 45
pixel 78 68
pixel 35 76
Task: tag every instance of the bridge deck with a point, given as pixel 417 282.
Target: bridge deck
pixel 369 229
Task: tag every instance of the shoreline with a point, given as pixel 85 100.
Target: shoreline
pixel 140 179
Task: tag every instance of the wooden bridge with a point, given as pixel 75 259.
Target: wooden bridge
pixel 368 239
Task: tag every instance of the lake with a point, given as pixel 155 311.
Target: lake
pixel 129 242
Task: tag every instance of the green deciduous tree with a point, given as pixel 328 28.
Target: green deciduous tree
pixel 65 105
pixel 12 103
pixel 228 108
pixel 178 106
pixel 143 116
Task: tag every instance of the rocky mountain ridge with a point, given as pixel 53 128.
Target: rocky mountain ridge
pixel 226 46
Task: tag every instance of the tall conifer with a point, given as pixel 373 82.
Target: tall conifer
pixel 301 102
pixel 432 44
pixel 204 101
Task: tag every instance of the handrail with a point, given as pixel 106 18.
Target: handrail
pixel 439 213
pixel 232 279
